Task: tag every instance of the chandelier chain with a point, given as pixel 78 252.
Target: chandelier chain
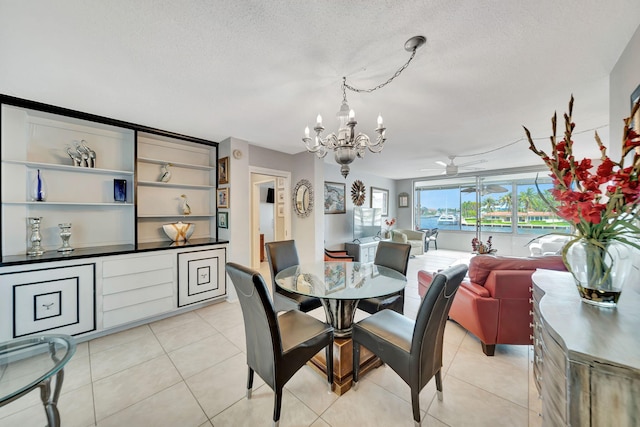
pixel 380 86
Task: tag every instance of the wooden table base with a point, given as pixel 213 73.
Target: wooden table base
pixel 343 363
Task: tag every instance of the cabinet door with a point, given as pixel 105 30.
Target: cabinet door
pixel 201 276
pixel 54 300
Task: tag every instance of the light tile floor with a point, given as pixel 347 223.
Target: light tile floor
pixel 190 370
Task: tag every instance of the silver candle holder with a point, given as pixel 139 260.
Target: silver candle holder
pixel 36 238
pixel 65 235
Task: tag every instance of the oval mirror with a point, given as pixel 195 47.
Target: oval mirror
pixel 303 198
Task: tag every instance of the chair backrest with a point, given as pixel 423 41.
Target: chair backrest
pixel 281 255
pixel 434 233
pixel 263 339
pixel 428 333
pixel 393 255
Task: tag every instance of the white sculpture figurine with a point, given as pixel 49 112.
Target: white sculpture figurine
pixel 166 173
pixel 186 209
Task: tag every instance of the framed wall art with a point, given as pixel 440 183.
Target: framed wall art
pixel 380 199
pixel 635 96
pixel 223 219
pixel 403 200
pixel 222 198
pixel 334 202
pixel 223 170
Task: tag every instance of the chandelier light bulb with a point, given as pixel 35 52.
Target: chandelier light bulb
pixel 352 115
pixel 306 132
pixel 379 121
pixel 319 121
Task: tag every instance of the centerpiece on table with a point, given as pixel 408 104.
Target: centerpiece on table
pixel 602 205
pixel 482 248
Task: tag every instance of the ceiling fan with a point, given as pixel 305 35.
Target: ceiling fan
pixel 451 169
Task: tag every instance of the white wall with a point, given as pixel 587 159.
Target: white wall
pixel 267 216
pixel 623 80
pixel 338 228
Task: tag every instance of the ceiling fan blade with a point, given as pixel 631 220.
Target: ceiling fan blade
pixel 474 162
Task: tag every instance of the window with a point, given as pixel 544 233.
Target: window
pixel 508 204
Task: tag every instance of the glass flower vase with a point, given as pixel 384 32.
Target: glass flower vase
pixel 600 269
pixel 38 188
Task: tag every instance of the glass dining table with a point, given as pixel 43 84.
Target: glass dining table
pixel 340 285
pixel 35 362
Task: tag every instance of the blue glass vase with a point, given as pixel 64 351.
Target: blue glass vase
pixel 39 188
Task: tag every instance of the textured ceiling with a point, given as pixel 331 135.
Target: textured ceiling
pixel 262 70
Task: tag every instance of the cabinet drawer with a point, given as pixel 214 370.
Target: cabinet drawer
pixel 60 300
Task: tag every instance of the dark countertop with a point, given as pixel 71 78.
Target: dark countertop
pixel 96 251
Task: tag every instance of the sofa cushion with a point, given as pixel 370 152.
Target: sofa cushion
pixel 399 237
pixel 481 265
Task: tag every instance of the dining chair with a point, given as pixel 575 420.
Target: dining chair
pixel 330 255
pixel 277 346
pixel 413 349
pixel 432 237
pixel 395 256
pixel 281 255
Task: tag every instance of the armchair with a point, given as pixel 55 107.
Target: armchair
pixel 494 303
pixel 412 237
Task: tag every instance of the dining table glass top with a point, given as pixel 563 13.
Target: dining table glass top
pixel 341 280
pixel 26 362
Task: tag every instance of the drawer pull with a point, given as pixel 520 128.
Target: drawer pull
pixel 531 325
pixel 530 289
pixel 530 300
pixel 531 337
pixel 530 312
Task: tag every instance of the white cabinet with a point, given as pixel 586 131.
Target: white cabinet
pixel 362 252
pixel 201 276
pixel 136 287
pixel 53 299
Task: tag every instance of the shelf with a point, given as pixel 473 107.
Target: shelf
pixel 174 185
pixel 175 164
pixel 203 215
pixel 68 203
pixel 68 168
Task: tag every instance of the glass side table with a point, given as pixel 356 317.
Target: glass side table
pixel 32 362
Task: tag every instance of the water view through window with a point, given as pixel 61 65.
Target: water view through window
pixel 513 205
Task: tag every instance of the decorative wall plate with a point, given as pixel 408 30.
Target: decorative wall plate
pixel 358 192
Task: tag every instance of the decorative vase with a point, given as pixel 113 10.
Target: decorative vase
pixel 39 188
pixel 65 235
pixel 600 269
pixel 35 238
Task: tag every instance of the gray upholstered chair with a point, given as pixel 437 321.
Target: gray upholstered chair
pixel 395 256
pixel 281 255
pixel 277 346
pixel 412 349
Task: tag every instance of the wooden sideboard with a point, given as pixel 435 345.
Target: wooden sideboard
pixel 586 358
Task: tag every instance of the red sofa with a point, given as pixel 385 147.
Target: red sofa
pixel 494 303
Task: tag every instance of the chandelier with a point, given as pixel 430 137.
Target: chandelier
pixel 345 144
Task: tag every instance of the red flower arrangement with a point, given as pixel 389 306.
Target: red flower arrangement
pixel 390 223
pixel 600 203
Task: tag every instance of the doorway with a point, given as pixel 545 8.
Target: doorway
pixel 270 210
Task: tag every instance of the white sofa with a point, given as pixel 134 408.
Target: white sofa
pixel 548 245
pixel 412 237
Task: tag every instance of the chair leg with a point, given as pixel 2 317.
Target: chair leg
pixel 329 357
pixel 415 405
pixel 356 364
pixel 489 349
pixel 439 385
pixel 277 404
pixel 435 243
pixel 249 382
